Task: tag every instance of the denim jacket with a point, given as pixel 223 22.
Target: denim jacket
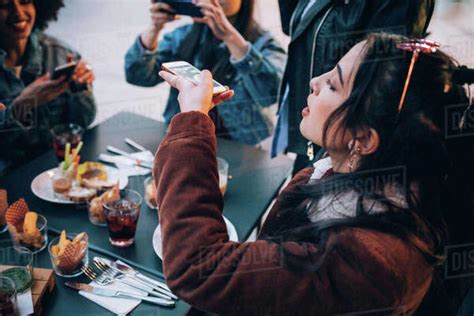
pixel 20 142
pixel 256 82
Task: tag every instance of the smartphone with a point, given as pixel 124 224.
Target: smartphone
pixel 184 7
pixel 188 71
pixel 65 70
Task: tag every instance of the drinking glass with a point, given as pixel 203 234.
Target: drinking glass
pixel 7 297
pixel 150 193
pixel 35 243
pixel 223 167
pixel 17 264
pixel 69 263
pixel 95 209
pixel 63 134
pixel 122 218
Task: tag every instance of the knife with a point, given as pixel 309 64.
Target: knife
pixel 112 293
pixel 135 144
pixel 138 162
pixel 137 276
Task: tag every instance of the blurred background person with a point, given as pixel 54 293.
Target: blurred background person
pixel 34 102
pixel 228 42
pixel 321 32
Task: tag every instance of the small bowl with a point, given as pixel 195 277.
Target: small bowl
pixel 69 266
pixel 17 264
pixel 33 243
pixel 3 228
pixel 96 213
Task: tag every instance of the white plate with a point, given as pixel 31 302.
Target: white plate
pixel 157 237
pixel 42 186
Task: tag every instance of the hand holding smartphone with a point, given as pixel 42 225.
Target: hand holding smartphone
pixel 184 7
pixel 66 70
pixel 191 73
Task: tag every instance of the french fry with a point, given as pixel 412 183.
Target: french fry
pixel 66 156
pixel 62 237
pixel 29 225
pixel 78 238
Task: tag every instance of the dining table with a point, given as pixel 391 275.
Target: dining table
pixel 254 181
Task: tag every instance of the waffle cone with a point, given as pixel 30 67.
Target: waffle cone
pixel 15 214
pixel 3 206
pixel 72 257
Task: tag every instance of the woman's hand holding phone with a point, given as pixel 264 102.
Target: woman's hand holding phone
pixel 215 18
pixel 161 13
pixel 198 97
pixel 41 91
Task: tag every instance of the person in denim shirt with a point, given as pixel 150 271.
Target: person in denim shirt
pixel 229 43
pixel 34 102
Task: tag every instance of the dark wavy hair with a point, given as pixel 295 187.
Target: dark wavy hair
pixel 413 140
pixel 46 11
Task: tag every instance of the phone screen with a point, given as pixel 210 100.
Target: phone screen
pixel 193 74
pixel 66 70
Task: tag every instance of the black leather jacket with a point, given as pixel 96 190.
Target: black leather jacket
pixel 327 32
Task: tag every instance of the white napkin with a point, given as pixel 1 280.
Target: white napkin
pixel 118 306
pixel 127 165
pixel 24 303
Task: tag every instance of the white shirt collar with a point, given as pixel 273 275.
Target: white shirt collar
pixel 321 167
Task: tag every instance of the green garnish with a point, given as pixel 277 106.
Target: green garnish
pixel 20 276
pixel 66 155
pixel 76 152
pixel 68 158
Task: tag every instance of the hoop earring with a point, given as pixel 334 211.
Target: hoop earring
pixel 310 151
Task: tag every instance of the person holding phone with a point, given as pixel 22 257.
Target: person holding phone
pixel 363 231
pixel 228 42
pixel 34 101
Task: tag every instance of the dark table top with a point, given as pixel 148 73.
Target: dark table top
pixel 255 181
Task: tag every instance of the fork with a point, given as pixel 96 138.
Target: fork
pixel 105 278
pixel 103 266
pixel 90 273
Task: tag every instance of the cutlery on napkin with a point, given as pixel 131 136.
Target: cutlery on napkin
pixel 111 293
pixel 116 305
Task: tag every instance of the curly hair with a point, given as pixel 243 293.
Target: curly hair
pixel 46 11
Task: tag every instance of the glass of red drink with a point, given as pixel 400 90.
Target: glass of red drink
pixel 7 297
pixel 63 134
pixel 122 218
